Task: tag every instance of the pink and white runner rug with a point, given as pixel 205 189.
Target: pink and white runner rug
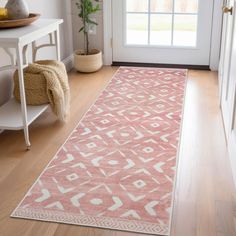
pixel 117 168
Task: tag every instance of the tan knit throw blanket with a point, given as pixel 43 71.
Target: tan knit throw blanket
pixel 57 86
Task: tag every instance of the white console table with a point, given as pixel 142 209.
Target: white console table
pixel 15 42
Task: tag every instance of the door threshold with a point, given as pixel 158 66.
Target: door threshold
pixel 178 66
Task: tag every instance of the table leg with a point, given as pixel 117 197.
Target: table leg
pixel 25 58
pixel 19 52
pixel 57 44
pixel 34 51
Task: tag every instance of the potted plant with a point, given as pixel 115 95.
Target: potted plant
pixel 87 60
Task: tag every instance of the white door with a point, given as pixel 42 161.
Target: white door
pixel 231 100
pixel 232 131
pixel 226 65
pixel 227 76
pixel 162 31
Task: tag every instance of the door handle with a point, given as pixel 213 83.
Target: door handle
pixel 228 10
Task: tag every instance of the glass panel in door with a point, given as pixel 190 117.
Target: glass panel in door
pixel 162 22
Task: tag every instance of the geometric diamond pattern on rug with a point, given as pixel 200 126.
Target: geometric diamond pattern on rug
pixel 117 168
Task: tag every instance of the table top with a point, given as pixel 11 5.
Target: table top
pixel 27 33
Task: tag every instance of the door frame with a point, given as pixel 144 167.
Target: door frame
pixel 225 74
pixel 230 127
pixel 232 139
pixel 215 34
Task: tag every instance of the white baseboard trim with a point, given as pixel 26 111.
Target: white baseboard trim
pixel 69 62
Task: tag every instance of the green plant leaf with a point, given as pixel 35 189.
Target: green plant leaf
pixel 81 29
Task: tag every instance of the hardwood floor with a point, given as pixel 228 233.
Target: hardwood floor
pixel 205 199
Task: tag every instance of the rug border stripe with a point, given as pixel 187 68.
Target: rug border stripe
pixel 104 222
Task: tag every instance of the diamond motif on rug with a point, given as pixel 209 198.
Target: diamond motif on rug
pixel 117 169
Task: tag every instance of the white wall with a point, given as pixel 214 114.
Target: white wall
pixel 47 9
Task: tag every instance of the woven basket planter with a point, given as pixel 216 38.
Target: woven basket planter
pixel 88 63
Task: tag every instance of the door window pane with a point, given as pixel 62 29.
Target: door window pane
pixel 186 6
pixel 137 29
pixel 185 30
pixel 136 5
pixel 162 22
pixel 160 31
pixel 161 6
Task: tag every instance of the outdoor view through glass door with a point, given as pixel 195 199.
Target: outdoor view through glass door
pixel 162 31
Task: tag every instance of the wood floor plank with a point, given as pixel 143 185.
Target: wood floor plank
pixel 205 195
